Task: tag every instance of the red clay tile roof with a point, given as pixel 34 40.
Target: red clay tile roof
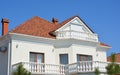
pixel 117 56
pixel 103 44
pixel 37 26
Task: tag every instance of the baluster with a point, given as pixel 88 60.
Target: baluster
pixel 78 66
pixel 94 66
pixel 91 64
pixel 62 69
pixel 81 66
pixel 47 68
pixel 30 64
pixel 86 65
pixel 30 67
pixel 37 67
pixel 34 67
pixel 43 67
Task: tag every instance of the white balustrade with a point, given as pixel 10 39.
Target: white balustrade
pixel 79 67
pixel 76 35
pixel 42 68
pixel 86 66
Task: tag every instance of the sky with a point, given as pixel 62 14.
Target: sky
pixel 102 16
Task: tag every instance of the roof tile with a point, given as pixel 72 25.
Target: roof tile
pixel 103 44
pixel 37 27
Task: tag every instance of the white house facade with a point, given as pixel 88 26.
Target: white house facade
pixel 47 48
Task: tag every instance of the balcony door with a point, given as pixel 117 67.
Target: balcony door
pixel 64 59
pixel 36 60
pixel 37 57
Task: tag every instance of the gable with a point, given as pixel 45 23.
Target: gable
pixel 76 24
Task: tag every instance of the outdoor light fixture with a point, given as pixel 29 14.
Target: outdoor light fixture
pixel 3 49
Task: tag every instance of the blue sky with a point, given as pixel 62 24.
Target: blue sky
pixel 102 16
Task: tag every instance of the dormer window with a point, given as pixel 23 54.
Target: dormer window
pixel 76 29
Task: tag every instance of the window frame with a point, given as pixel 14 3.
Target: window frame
pixel 60 58
pixel 86 57
pixel 36 56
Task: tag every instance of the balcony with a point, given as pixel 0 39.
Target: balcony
pixel 68 34
pixel 79 67
pixel 86 67
pixel 41 68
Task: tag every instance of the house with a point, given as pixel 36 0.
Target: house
pixel 117 58
pixel 47 48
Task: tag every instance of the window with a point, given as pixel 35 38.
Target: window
pixel 64 59
pixel 36 57
pixel 84 57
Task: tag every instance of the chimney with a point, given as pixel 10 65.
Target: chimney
pixel 4 26
pixel 55 20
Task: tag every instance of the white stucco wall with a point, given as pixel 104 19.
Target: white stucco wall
pixel 67 50
pixel 85 50
pixel 74 47
pixel 101 54
pixel 4 58
pixel 21 53
pixel 4 62
pixel 21 47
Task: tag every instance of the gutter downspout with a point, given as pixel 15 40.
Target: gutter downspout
pixel 9 58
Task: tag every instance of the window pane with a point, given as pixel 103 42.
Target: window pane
pixel 37 57
pixel 63 58
pixel 32 57
pixel 40 58
pixel 78 57
pixel 89 58
pixel 84 57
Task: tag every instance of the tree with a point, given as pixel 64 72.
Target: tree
pixel 21 71
pixel 97 72
pixel 113 68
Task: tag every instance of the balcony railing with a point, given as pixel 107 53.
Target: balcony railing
pixel 41 68
pixel 79 67
pixel 86 66
pixel 76 35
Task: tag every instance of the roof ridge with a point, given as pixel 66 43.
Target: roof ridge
pixel 67 20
